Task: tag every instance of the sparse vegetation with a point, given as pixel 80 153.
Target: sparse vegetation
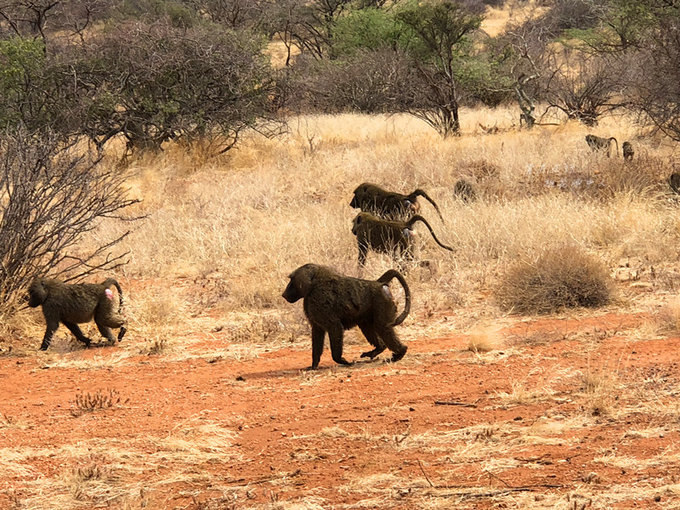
pixel 101 399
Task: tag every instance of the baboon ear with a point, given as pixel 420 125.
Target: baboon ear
pixel 303 281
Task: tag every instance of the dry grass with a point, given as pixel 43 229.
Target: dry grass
pixel 561 277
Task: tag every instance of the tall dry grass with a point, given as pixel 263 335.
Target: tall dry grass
pixel 250 217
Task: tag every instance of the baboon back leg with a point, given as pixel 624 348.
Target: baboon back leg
pixel 335 334
pixel 106 333
pixel 77 332
pixel 318 335
pixel 390 339
pixel 373 339
pixel 51 327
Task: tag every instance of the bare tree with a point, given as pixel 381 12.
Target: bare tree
pixel 52 194
pixel 582 85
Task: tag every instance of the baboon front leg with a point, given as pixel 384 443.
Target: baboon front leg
pixel 373 339
pixel 49 332
pixel 318 335
pixel 392 341
pixel 77 332
pixel 335 336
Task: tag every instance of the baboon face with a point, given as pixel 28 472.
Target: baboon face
pixel 358 197
pixel 37 293
pixel 299 285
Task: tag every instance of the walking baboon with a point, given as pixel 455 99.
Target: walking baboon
pixel 334 303
pixel 465 191
pixel 627 150
pixel 73 304
pixel 387 236
pixel 598 143
pixel 389 204
pixel 674 181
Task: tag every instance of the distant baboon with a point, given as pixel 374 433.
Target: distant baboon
pixel 334 303
pixel 598 143
pixel 387 236
pixel 73 304
pixel 464 191
pixel 628 152
pixel 674 181
pixel 388 204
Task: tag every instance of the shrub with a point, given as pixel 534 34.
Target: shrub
pixel 561 277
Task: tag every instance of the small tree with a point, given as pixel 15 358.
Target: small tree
pixel 441 29
pixel 52 195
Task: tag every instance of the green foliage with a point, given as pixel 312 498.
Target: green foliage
pixel 483 79
pixel 441 29
pixel 368 29
pixel 22 61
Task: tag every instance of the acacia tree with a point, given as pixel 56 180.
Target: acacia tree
pixel 156 83
pixel 442 29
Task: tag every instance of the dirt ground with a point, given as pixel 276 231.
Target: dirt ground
pixel 577 411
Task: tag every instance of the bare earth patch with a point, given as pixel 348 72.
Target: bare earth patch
pixel 564 413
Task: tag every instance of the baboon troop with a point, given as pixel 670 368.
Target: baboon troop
pixel 598 143
pixel 674 182
pixel 333 303
pixel 389 204
pixel 627 150
pixel 464 191
pixel 387 236
pixel 73 304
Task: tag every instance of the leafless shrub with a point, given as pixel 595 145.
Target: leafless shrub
pixel 561 277
pixel 101 399
pixel 52 194
pixel 581 85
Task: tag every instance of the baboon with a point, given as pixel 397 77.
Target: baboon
pixel 598 143
pixel 627 150
pixel 674 181
pixel 464 190
pixel 73 304
pixel 334 303
pixel 387 236
pixel 389 204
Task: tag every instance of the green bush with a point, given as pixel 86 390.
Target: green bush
pixel 561 277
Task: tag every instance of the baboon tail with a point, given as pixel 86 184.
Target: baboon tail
pixel 617 144
pixel 387 278
pixel 420 192
pixel 112 281
pixel 417 217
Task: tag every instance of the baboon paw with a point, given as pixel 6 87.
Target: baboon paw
pixel 398 355
pixel 312 367
pixel 43 347
pixel 121 333
pixel 343 361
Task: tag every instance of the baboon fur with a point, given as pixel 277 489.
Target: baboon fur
pixel 387 236
pixel 674 182
pixel 334 303
pixel 598 143
pixel 73 304
pixel 389 204
pixel 464 191
pixel 627 150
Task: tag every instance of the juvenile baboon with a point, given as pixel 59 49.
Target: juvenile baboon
pixel 389 204
pixel 464 191
pixel 73 304
pixel 334 303
pixel 387 236
pixel 598 143
pixel 627 150
pixel 674 182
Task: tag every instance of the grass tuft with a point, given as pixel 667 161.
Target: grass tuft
pixel 561 277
